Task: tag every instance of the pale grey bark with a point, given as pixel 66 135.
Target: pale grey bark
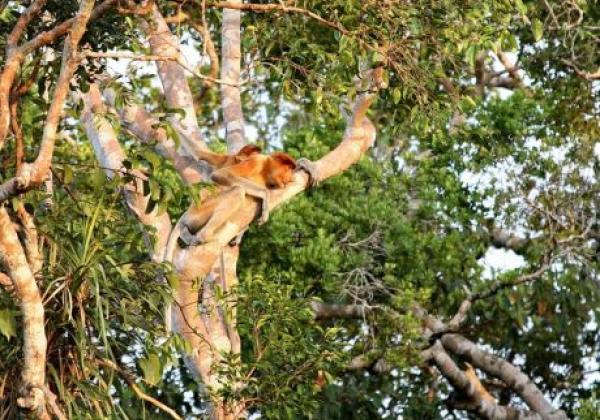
pixel 231 102
pixel 474 392
pixel 507 372
pixel 33 376
pixel 110 155
pixel 145 127
pixel 174 80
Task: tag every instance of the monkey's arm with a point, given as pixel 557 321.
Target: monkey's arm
pixel 311 168
pixel 231 176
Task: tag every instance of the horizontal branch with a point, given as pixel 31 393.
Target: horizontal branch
pixel 143 57
pixel 323 311
pixel 253 7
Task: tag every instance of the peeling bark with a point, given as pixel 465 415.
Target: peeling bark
pixel 33 377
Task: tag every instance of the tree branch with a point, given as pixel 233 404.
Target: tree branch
pixel 16 55
pixel 147 129
pixel 231 101
pixel 323 311
pixel 127 55
pixel 175 86
pixel 32 175
pixel 467 384
pixel 111 156
pixel 252 7
pixel 195 263
pixel 501 369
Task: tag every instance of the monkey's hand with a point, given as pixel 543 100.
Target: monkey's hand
pixel 187 238
pixel 264 209
pixel 310 168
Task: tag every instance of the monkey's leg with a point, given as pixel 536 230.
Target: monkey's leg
pixel 228 203
pixel 225 177
pixel 194 219
pixel 310 168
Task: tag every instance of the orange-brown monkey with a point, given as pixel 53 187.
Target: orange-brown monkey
pixel 218 160
pixel 246 173
pixel 254 175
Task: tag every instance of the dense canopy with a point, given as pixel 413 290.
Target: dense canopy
pixel 445 264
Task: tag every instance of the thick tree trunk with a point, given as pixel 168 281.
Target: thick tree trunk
pixel 33 376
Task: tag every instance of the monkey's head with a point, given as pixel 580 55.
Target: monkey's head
pixel 280 170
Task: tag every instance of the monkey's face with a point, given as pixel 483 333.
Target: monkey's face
pixel 281 170
pixel 279 176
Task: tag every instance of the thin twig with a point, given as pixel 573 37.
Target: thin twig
pixel 138 391
pixel 143 57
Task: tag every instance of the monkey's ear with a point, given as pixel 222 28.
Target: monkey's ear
pixel 249 149
pixel 284 159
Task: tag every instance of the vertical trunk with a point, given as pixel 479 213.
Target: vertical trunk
pixel 33 377
pixel 231 102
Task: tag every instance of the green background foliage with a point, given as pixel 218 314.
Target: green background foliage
pixel 407 224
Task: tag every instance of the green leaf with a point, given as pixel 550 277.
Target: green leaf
pixel 538 29
pixel 67 175
pixel 152 369
pixel 8 324
pixel 396 95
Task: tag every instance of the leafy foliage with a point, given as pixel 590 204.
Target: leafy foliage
pixel 409 224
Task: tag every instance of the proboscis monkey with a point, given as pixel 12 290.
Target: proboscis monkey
pixel 246 173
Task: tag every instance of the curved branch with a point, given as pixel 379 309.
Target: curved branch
pixel 18 54
pixel 501 369
pixel 32 175
pixel 467 383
